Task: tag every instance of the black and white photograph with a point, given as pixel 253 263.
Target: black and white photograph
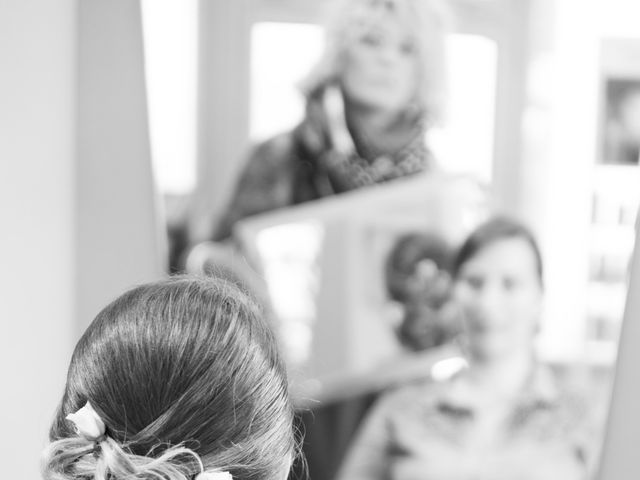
pixel 320 239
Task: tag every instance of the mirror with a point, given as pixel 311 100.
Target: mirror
pixel 539 91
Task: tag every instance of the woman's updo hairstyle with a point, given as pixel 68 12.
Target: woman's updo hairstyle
pixel 409 250
pixel 180 371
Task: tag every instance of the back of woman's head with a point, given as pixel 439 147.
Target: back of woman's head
pixel 180 371
pixel 494 230
pixel 405 256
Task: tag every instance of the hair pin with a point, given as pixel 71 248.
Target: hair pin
pixel 214 476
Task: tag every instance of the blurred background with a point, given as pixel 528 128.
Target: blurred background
pixel 124 125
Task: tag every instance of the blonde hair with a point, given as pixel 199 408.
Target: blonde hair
pixel 76 457
pixel 427 21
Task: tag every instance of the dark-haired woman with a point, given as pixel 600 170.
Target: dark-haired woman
pixel 503 417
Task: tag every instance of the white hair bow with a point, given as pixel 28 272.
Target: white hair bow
pixel 88 423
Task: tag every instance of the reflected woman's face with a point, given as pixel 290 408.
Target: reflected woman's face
pixel 380 68
pixel 500 294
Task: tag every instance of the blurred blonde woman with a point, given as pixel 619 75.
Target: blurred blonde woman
pixel 370 100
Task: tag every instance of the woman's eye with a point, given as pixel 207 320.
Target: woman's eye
pixel 475 282
pixel 509 283
pixel 408 47
pixel 371 39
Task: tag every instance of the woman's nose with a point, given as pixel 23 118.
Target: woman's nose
pixel 488 303
pixel 387 54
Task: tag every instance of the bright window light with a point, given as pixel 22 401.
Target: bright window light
pixel 170 40
pixel 282 54
pixel 465 143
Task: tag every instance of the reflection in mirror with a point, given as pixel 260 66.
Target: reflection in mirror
pixel 334 299
pixel 503 415
pixel 277 104
pixel 530 84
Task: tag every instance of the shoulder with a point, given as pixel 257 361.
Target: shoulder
pixel 583 393
pixel 579 383
pixel 583 400
pixel 273 150
pixel 269 162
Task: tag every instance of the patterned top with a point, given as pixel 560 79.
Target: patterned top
pixel 441 431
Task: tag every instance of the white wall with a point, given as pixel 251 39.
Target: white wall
pixel 37 59
pixel 77 201
pixel 120 242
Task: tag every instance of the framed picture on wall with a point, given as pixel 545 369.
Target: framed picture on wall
pixel 621 132
pixel 620 102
